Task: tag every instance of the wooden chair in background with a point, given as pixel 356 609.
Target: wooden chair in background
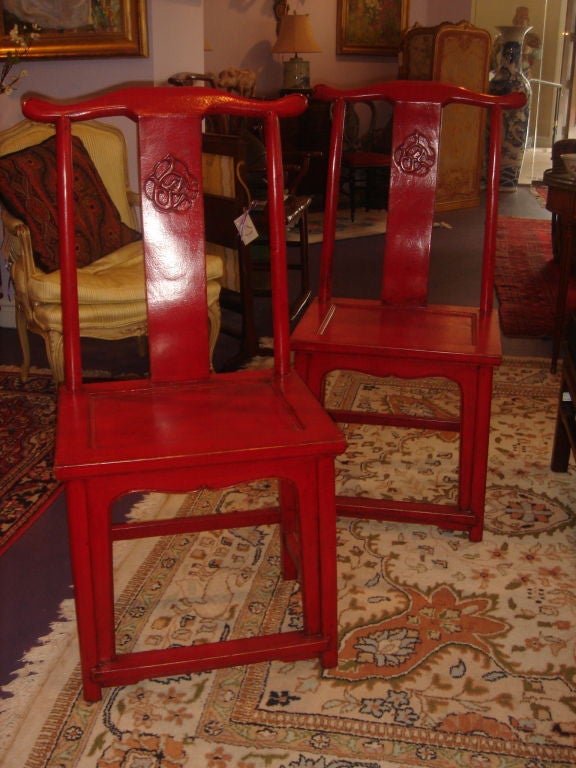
pixel 401 334
pixel 226 199
pixel 187 428
pixel 235 192
pixel 365 158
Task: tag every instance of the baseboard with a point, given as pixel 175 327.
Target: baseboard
pixel 7 314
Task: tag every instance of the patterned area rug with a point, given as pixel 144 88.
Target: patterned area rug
pixel 365 224
pixel 527 278
pixel 27 421
pixel 452 654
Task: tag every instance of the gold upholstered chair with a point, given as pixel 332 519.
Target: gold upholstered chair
pixel 111 269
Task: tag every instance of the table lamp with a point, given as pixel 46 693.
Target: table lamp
pixel 296 36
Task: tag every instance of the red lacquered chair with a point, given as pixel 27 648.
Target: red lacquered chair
pixel 401 334
pixel 184 427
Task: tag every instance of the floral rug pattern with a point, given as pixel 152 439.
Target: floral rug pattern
pixel 452 653
pixel 27 421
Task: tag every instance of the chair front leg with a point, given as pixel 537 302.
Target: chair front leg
pixel 82 558
pixel 22 329
pixel 55 354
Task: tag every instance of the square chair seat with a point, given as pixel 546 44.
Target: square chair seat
pixel 216 420
pixel 449 332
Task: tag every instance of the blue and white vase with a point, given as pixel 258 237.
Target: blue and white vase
pixel 509 78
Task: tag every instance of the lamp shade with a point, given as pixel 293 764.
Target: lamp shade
pixel 295 35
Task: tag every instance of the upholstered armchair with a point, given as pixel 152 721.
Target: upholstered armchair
pixel 111 288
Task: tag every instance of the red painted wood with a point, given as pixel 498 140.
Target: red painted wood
pixel 402 334
pixel 185 427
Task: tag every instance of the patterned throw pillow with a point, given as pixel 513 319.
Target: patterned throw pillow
pixel 28 190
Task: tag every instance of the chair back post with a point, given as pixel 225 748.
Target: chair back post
pixel 339 108
pixel 491 220
pixel 66 245
pixel 278 264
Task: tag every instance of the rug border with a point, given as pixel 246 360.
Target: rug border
pixel 19 528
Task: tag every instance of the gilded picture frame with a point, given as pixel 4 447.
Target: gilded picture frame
pixel 370 27
pixel 82 29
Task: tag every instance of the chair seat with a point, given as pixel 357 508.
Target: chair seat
pixel 111 293
pixel 446 332
pixel 117 318
pixel 361 159
pixel 105 431
pixel 117 277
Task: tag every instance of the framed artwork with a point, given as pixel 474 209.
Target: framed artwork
pixel 77 28
pixel 370 27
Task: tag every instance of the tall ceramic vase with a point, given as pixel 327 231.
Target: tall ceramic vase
pixel 509 78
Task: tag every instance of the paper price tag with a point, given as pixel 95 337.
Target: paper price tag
pixel 246 228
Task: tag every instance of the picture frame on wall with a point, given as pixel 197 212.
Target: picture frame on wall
pixel 370 27
pixel 77 28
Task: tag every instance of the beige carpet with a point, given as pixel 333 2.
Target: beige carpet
pixel 365 224
pixel 452 654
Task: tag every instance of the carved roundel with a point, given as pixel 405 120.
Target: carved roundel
pixel 416 155
pixel 171 186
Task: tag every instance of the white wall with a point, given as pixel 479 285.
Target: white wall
pixel 242 35
pixel 432 12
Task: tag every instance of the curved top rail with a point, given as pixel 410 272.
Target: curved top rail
pixel 144 100
pixel 414 90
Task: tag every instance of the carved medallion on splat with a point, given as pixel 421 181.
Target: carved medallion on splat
pixel 171 187
pixel 416 155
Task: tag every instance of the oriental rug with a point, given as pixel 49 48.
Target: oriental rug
pixel 452 654
pixel 526 278
pixel 27 422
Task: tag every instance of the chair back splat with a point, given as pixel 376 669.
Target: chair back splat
pixel 186 428
pixel 402 333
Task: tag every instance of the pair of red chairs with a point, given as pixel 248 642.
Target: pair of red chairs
pixel 186 428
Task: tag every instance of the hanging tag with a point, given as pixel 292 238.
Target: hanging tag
pixel 246 228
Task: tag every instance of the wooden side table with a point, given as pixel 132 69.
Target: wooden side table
pixel 561 201
pixel 565 433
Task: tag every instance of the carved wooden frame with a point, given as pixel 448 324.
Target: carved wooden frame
pixel 129 38
pixel 362 27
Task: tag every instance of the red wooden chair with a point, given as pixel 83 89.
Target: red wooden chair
pixel 185 427
pixel 401 334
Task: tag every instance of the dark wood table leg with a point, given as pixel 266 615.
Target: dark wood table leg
pixel 565 431
pixel 566 247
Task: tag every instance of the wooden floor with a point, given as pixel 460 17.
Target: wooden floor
pixel 34 573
